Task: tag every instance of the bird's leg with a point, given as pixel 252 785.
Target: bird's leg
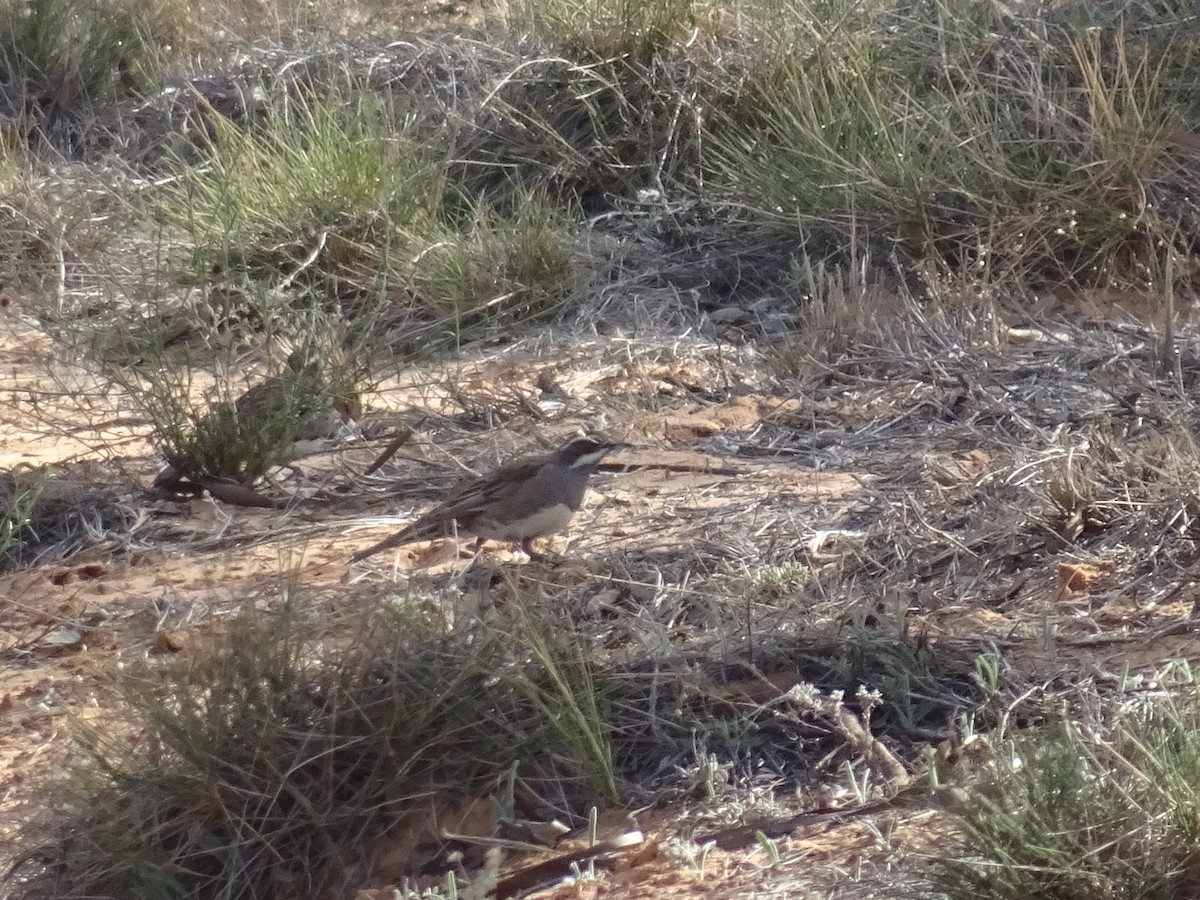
pixel 527 546
pixel 475 548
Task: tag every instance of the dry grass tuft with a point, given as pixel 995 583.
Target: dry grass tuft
pixel 46 514
pixel 269 763
pixel 268 766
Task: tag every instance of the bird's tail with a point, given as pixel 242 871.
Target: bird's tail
pixel 426 528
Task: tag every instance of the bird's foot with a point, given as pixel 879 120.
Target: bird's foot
pixel 535 556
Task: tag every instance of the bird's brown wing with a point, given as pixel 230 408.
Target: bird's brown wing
pixel 262 397
pixel 466 503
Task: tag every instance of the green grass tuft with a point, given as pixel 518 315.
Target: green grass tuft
pixel 330 201
pixel 21 489
pixel 988 143
pixel 62 60
pixel 1086 810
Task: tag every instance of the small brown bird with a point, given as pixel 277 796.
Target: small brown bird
pixel 524 500
pixel 302 394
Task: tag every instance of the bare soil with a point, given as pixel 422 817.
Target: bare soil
pixel 718 482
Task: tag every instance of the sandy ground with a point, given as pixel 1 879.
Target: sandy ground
pixel 65 624
pixel 679 499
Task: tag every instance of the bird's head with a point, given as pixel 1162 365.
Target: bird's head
pixel 586 452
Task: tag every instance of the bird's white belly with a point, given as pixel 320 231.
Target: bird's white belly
pixel 546 521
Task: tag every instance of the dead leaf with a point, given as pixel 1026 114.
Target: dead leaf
pixel 1078 578
pixel 168 640
pixel 962 468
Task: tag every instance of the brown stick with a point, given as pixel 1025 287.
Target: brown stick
pixel 388 452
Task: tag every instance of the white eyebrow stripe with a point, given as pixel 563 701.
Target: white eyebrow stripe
pixel 589 458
